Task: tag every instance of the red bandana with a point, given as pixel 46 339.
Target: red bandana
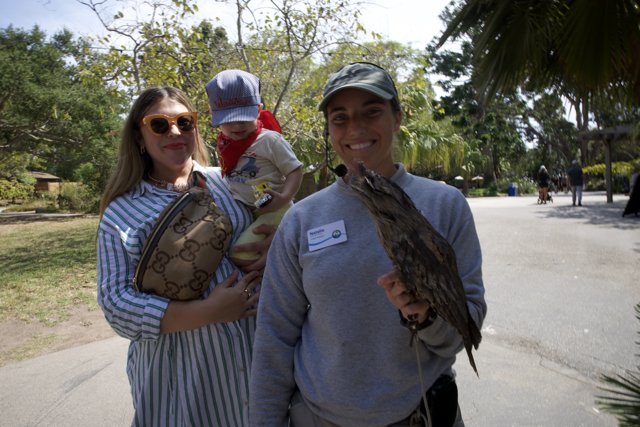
pixel 230 150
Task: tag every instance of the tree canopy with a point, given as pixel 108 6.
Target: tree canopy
pixel 66 120
pixel 50 119
pixel 550 53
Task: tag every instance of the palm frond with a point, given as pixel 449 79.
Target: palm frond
pixel 588 44
pixel 623 394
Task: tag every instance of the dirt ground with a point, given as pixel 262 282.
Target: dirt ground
pixel 21 340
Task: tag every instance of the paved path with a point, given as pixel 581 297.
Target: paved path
pixel 561 285
pixel 539 364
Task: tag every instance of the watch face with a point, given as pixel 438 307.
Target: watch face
pixel 263 201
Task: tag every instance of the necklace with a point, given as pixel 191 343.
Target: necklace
pixel 178 188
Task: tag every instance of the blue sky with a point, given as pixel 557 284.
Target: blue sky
pixel 414 22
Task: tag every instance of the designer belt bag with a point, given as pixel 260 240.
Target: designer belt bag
pixel 185 247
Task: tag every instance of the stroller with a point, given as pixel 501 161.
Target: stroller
pixel 549 197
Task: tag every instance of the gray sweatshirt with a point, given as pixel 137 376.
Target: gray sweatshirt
pixel 324 326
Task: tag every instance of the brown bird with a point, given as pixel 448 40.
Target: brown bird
pixel 424 260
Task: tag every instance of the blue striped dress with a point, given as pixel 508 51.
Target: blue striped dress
pixel 192 378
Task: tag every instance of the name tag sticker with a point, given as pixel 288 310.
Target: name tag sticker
pixel 327 235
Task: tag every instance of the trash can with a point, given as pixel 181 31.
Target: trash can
pixel 512 190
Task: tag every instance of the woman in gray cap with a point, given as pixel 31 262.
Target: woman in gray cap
pixel 330 348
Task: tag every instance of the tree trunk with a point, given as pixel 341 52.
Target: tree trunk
pixel 607 171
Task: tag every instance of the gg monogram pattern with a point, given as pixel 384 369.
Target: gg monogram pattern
pixel 194 235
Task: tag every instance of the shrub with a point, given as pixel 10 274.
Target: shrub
pixel 76 197
pixel 14 191
pixel 525 185
pixel 490 191
pixel 41 202
pixel 617 168
pixel 595 184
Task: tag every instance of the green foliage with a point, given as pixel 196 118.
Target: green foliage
pixel 427 147
pixel 292 46
pixel 13 190
pixel 623 394
pixel 501 187
pixel 617 168
pixel 66 120
pixel 76 197
pixel 581 53
pixel 40 202
pixel 556 140
pixel 52 120
pixel 490 191
pixel 525 185
pixel 494 143
pixel 276 44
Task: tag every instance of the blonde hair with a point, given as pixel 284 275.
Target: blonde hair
pixel 133 164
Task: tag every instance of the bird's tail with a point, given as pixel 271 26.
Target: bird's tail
pixel 474 339
pixel 467 347
pixel 474 332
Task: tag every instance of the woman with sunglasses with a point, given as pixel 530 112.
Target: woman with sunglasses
pixel 188 361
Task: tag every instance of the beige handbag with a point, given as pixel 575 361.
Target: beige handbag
pixel 184 248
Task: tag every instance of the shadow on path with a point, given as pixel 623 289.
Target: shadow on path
pixel 596 213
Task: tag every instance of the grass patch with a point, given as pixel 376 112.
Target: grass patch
pixel 46 267
pixel 32 348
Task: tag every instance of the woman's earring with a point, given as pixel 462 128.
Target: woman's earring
pixel 142 150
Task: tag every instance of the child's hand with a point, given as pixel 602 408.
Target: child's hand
pixel 287 192
pixel 278 201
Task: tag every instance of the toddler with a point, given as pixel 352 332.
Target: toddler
pixel 259 164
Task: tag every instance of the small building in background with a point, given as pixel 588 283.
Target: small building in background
pixel 45 182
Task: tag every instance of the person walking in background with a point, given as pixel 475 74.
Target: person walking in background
pixel 254 159
pixel 562 179
pixel 188 361
pixel 332 342
pixel 575 178
pixel 543 184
